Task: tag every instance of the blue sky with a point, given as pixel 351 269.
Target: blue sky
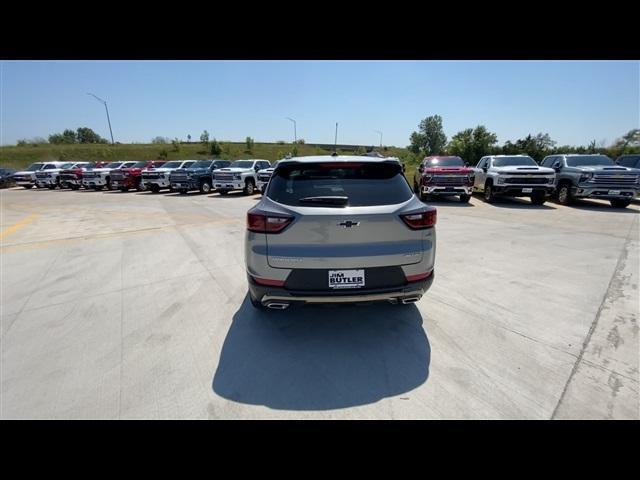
pixel 574 101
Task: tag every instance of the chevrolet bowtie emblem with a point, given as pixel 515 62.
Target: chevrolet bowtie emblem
pixel 349 224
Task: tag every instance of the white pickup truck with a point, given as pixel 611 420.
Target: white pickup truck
pixel 98 178
pixel 49 176
pixel 27 178
pixel 156 178
pixel 240 175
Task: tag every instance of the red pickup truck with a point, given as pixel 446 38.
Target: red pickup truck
pixel 125 178
pixel 444 176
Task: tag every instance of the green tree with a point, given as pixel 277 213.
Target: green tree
pixel 430 138
pixel 204 138
pixel 68 136
pixel 189 138
pixel 215 148
pixel 472 144
pixel 160 140
pixel 86 135
pixel 249 143
pixel 175 144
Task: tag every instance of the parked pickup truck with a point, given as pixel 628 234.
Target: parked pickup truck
pixel 630 161
pixel 197 177
pixel 264 176
pixel 49 176
pixel 156 178
pixel 443 176
pixel 72 177
pixel 125 178
pixel 98 178
pixel 513 176
pixel 593 176
pixel 27 178
pixel 241 175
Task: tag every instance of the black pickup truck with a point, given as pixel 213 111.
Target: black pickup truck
pixel 197 176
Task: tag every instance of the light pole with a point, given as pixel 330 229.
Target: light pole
pixel 335 146
pixel 107 109
pixel 380 137
pixel 295 134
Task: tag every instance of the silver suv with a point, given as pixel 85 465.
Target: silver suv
pixel 333 229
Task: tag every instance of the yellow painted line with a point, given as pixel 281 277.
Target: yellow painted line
pixel 18 225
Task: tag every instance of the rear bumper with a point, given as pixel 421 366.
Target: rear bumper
pixel 522 190
pixel 447 190
pixel 412 291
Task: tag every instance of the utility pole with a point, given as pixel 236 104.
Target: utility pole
pixel 380 137
pixel 335 146
pixel 107 109
pixel 295 134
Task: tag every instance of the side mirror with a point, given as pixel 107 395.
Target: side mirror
pixel 256 168
pixel 557 166
pixel 420 169
pixel 484 169
pixel 466 164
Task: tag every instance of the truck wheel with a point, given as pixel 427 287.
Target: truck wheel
pixel 538 199
pixel 75 187
pixel 154 188
pixel 489 196
pixel 108 183
pixel 465 198
pixel 205 187
pixel 617 203
pixel 223 192
pixel 27 186
pixel 123 189
pixel 183 191
pixel 97 188
pixel 564 194
pixel 249 187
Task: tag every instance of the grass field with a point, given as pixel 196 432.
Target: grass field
pixel 20 157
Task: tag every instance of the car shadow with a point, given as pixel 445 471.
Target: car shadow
pixel 322 357
pixel 601 206
pixel 234 194
pixel 447 202
pixel 515 202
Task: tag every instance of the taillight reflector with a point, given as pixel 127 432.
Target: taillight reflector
pixel 268 282
pixel 419 276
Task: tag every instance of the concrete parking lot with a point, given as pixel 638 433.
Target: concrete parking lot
pixel 133 305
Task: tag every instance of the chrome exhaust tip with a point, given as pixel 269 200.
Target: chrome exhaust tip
pixel 277 305
pixel 410 300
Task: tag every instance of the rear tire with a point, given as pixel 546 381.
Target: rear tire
pixel 489 196
pixel 538 199
pixel 564 194
pixel 615 203
pixel 154 188
pixel 465 198
pixel 249 187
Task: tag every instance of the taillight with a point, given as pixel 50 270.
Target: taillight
pixel 421 220
pixel 419 276
pixel 261 223
pixel 268 282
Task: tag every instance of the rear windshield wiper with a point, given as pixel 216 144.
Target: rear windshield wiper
pixel 328 200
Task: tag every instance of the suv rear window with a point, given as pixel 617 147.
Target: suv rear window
pixel 364 184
